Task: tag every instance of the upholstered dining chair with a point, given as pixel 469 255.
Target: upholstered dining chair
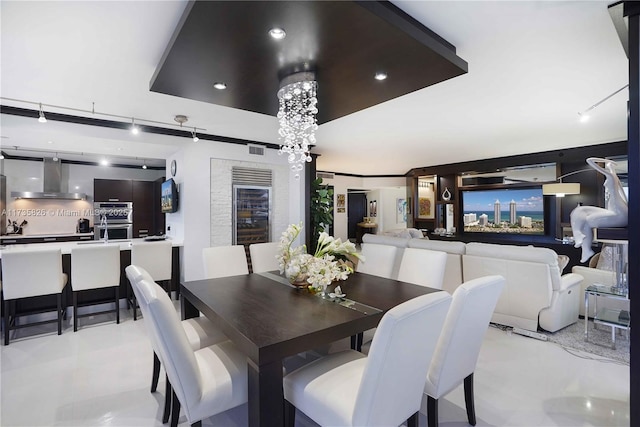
pixel 204 382
pixel 263 257
pixel 223 261
pixel 199 330
pixel 27 274
pixel 455 357
pixel 95 267
pixel 423 267
pixel 381 389
pixel 378 260
pixel 156 259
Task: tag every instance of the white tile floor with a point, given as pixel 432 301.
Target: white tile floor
pixel 101 375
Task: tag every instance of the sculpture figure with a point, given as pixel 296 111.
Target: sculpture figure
pixel 584 218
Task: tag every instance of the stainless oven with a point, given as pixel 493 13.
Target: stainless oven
pixel 114 231
pixel 114 212
pixel 115 217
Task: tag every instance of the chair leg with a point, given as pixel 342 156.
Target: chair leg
pixel 289 414
pixel 468 399
pixel 168 392
pixel 7 326
pixel 175 409
pixel 60 313
pixel 134 303
pixel 117 305
pixel 75 311
pixel 156 373
pixel 432 412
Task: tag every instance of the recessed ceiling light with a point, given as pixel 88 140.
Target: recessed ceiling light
pixel 49 142
pixel 381 75
pixel 220 85
pixel 277 33
pixel 104 162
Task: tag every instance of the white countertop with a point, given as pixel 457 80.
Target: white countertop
pixel 40 236
pixel 66 247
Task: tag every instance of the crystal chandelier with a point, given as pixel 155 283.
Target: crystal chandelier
pixel 297 117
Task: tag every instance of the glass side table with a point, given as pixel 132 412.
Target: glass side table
pixel 616 319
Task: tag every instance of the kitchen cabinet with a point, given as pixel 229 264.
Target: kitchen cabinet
pixel 143 208
pixel 23 240
pixel 113 190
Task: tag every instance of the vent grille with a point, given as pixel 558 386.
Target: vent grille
pixel 256 149
pixel 251 176
pixel 324 175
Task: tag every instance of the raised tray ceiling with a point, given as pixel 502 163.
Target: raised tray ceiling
pixel 345 43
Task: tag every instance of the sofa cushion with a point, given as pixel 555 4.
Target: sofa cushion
pixel 451 247
pixel 519 253
pixel 400 242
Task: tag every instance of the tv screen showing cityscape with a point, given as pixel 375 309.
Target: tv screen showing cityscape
pixel 504 211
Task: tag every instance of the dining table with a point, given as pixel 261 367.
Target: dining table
pixel 269 320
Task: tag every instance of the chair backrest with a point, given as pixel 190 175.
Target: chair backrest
pixel 393 380
pixel 378 260
pixel 263 256
pixel 423 267
pixel 464 329
pixel 174 350
pixel 32 273
pixel 155 257
pixel 95 266
pixel 223 261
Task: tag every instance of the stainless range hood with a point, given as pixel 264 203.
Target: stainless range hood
pixel 52 186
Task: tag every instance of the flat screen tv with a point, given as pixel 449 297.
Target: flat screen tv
pixel 509 210
pixel 169 196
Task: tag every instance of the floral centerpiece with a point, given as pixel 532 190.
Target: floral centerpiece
pixel 329 262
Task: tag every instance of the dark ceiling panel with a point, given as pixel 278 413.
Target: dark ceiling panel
pixel 345 42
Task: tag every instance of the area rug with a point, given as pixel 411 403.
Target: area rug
pixel 599 344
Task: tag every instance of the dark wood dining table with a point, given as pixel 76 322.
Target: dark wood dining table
pixel 269 320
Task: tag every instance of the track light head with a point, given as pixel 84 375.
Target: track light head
pixel 42 118
pixel 134 128
pixel 195 137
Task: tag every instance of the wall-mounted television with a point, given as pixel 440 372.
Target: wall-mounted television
pixel 508 210
pixel 169 196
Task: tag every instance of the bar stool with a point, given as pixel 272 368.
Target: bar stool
pixel 155 258
pixel 28 274
pixel 95 267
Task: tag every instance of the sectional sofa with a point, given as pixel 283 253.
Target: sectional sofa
pixel 536 293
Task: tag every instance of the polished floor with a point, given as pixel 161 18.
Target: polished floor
pixel 100 376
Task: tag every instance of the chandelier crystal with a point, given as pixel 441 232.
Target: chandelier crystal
pixel 297 118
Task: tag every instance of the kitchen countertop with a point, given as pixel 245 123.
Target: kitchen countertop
pixel 66 247
pixel 39 236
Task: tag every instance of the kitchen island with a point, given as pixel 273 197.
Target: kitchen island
pixel 46 303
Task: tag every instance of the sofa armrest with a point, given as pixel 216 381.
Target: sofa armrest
pixel 570 280
pixel 593 275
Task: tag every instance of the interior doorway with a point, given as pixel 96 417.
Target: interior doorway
pixel 356 211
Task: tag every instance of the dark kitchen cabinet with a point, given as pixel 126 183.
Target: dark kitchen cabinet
pixel 113 190
pixel 143 196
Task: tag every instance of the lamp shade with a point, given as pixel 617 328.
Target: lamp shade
pixel 560 189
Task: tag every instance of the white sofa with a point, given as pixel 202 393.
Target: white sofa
pixel 535 293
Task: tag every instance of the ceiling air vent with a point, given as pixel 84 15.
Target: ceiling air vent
pixel 324 175
pixel 256 149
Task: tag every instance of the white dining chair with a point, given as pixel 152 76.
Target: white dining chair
pixel 156 259
pixel 31 273
pixel 456 354
pixel 199 330
pixel 204 382
pixel 95 267
pixel 263 257
pixel 378 260
pixel 381 389
pixel 423 267
pixel 223 261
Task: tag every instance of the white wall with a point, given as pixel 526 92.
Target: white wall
pixel 387 204
pixel 192 223
pixel 59 216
